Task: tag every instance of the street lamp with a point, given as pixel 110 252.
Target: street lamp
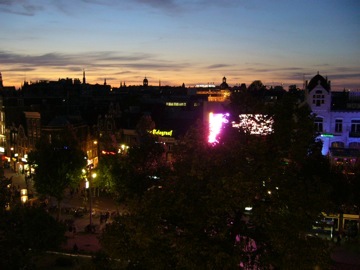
pixel 12 156
pixel 23 195
pixel 27 172
pixel 88 185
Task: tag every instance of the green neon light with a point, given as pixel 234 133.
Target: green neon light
pixel 327 135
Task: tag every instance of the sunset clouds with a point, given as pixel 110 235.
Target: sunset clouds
pixel 181 41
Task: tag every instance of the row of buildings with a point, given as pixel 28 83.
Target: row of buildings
pixel 106 119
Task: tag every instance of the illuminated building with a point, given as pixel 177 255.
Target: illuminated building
pixel 224 84
pixel 145 82
pixel 337 120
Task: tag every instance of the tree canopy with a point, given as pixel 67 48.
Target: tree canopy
pixel 195 217
pixel 58 165
pixel 25 231
pixel 141 167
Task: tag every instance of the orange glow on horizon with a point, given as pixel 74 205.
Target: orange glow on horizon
pixel 17 78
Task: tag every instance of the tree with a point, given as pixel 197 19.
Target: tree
pixel 141 166
pixel 256 86
pixel 5 192
pixel 346 190
pixel 105 177
pixel 24 232
pixel 58 166
pixel 197 219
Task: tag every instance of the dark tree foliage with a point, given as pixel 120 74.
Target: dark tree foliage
pixel 105 177
pixel 5 192
pixel 58 166
pixel 346 190
pixel 256 86
pixel 24 232
pixel 141 167
pixel 196 219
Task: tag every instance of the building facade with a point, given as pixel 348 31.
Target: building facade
pixel 337 120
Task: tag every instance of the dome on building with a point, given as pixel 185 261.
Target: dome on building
pixel 224 84
pixel 145 82
pixel 318 80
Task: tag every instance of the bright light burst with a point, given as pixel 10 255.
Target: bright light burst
pixel 257 124
pixel 216 121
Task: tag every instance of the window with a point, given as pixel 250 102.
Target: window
pixel 355 145
pixel 318 98
pixel 169 147
pixel 338 125
pixel 318 124
pixel 338 145
pixel 355 126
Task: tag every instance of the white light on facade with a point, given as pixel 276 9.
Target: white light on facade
pixel 256 124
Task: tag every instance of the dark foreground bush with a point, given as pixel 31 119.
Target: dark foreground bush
pixel 64 262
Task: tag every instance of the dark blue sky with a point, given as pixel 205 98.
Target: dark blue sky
pixel 176 41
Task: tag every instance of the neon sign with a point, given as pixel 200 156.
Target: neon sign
pixel 327 135
pixel 161 133
pixel 176 104
pixel 216 121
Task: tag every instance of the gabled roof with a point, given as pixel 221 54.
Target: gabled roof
pixel 318 80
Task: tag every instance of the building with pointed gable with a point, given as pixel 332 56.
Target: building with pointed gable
pixel 337 120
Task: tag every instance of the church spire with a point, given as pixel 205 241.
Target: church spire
pixel 84 78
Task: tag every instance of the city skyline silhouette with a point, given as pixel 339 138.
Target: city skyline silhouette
pixel 175 42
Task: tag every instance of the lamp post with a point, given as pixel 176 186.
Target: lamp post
pixel 92 176
pixel 12 156
pixel 27 173
pixel 24 195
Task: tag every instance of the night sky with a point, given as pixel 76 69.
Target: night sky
pixel 181 41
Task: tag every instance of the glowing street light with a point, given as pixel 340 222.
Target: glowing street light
pixel 23 195
pixel 88 186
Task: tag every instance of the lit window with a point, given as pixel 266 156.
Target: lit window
pixel 338 145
